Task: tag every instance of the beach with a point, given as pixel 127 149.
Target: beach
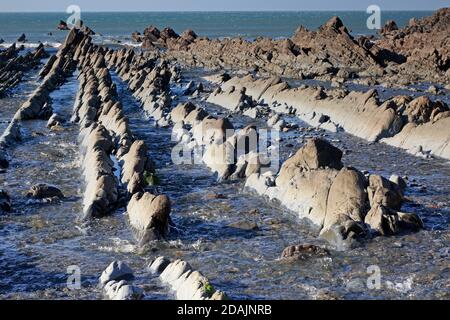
pixel 214 156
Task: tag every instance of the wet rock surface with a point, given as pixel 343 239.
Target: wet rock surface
pixel 41 191
pixel 329 53
pixel 187 283
pixel 127 98
pixel 302 252
pixel 13 65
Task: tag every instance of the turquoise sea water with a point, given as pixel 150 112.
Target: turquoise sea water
pixel 249 25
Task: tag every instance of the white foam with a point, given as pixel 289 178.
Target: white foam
pixel 46 44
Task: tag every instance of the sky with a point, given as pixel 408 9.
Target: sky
pixel 216 5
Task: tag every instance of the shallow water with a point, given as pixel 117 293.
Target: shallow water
pixel 39 241
pixel 119 25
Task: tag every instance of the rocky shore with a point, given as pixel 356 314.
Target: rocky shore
pixel 418 125
pixel 331 53
pixel 215 118
pixel 13 65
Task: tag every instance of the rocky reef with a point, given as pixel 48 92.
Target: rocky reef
pixel 329 53
pixel 168 178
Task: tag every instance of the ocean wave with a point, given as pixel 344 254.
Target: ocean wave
pixel 31 45
pixel 116 42
pixel 132 44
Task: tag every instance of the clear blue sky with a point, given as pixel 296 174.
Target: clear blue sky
pixel 217 5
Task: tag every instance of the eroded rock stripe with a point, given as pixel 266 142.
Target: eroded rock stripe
pixel 13 66
pixel 420 126
pixel 222 148
pixel 305 184
pixel 187 283
pixel 38 105
pixel 108 143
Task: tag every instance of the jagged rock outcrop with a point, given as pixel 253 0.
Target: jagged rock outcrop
pixel 149 215
pixel 339 200
pixel 424 45
pixel 38 105
pixel 13 65
pixel 328 53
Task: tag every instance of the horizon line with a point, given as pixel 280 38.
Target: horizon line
pixel 221 11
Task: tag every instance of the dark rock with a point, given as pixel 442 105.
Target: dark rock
pixel 87 31
pixel 389 27
pixel 5 201
pixel 422 110
pixel 152 34
pixel 42 191
pixel 22 38
pixel 303 252
pixel 136 37
pixel 62 25
pixel 168 33
pixel 245 225
pixel 212 196
pixel 4 163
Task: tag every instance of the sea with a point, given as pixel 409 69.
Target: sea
pixel 118 26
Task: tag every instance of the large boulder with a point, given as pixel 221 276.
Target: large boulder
pixel 315 154
pixel 337 200
pixel 212 130
pixel 383 192
pixel 149 216
pixel 347 204
pixel 116 271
